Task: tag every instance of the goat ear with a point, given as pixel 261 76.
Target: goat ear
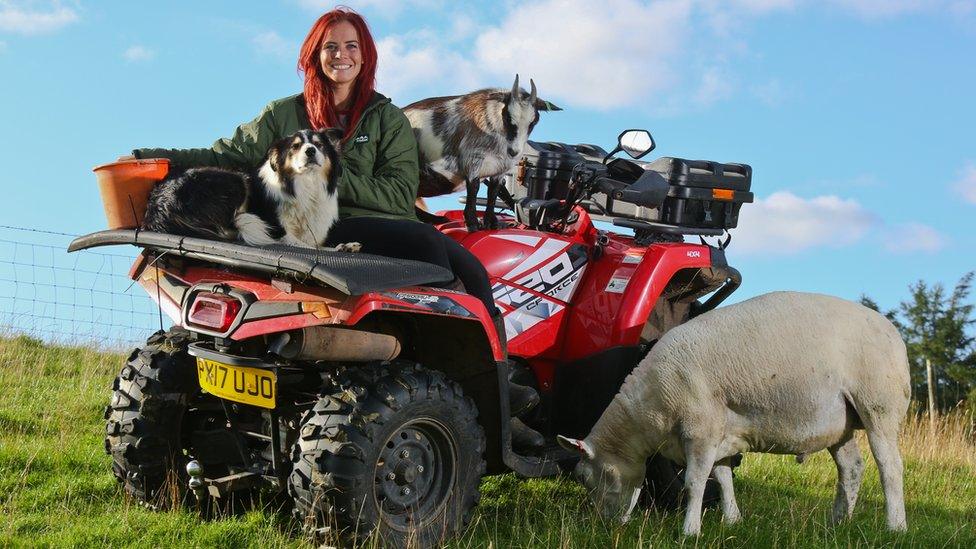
pixel 543 105
pixel 334 137
pixel 576 445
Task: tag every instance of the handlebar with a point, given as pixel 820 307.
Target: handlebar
pixel 609 186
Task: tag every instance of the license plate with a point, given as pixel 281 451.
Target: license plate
pixel 252 386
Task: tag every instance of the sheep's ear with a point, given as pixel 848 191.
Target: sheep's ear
pixel 543 105
pixel 576 445
pixel 334 137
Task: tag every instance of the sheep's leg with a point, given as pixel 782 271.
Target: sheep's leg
pixel 471 205
pixel 850 470
pixel 699 461
pixel 490 220
pixel 884 447
pixel 723 474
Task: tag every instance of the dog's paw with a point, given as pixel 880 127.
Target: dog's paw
pixel 349 247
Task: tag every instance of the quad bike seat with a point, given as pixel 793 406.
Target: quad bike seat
pixel 351 273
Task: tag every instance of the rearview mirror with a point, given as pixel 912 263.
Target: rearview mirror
pixel 636 143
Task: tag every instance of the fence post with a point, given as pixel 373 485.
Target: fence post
pixel 930 380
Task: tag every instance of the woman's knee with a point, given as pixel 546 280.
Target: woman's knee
pixel 429 243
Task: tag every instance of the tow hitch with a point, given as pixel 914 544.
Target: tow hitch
pixel 203 487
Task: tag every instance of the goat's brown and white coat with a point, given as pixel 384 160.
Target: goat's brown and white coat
pixel 466 138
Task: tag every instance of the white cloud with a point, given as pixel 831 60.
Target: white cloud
pixel 24 18
pixel 619 54
pixel 463 26
pixel 760 6
pixel 966 184
pixel 406 74
pixel 135 54
pixel 272 44
pixel 784 223
pixel 715 85
pixel 913 238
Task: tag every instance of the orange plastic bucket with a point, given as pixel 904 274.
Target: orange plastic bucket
pixel 125 187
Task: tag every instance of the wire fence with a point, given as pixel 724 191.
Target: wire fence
pixel 83 298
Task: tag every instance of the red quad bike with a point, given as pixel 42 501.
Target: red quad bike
pixel 374 399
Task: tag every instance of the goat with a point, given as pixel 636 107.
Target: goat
pixel 786 373
pixel 466 138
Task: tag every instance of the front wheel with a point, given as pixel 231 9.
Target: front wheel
pixel 397 449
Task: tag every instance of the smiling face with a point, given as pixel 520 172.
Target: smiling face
pixel 340 56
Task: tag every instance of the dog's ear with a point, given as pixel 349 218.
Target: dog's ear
pixel 274 156
pixel 334 137
pixel 543 105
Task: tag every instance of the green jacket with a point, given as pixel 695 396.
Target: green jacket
pixel 380 170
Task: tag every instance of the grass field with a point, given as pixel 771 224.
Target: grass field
pixel 56 489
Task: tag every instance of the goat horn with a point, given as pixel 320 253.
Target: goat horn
pixel 532 96
pixel 515 88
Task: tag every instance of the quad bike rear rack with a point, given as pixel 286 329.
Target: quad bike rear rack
pixel 350 273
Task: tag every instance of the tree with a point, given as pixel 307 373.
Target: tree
pixel 936 327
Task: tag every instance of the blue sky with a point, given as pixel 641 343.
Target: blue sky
pixel 856 115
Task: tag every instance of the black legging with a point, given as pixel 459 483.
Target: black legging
pixel 406 239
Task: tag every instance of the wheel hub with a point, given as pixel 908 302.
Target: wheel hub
pixel 414 472
pixel 406 473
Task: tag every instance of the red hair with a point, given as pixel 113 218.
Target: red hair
pixel 318 91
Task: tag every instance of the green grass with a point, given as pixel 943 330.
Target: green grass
pixel 56 489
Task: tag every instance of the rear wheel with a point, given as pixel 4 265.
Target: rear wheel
pixel 145 417
pixel 397 450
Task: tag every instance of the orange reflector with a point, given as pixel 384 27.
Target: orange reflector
pixel 722 194
pixel 317 308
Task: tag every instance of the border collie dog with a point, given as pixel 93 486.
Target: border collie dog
pixel 291 199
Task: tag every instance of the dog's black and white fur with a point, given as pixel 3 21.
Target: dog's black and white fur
pixel 290 199
pixel 466 138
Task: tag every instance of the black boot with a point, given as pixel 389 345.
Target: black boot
pixel 525 440
pixel 521 398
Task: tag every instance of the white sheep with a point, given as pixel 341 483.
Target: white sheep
pixel 784 373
